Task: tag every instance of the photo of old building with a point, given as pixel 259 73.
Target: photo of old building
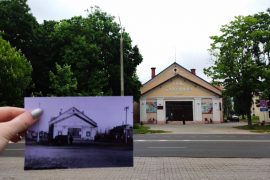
pixel 72 123
pixel 80 132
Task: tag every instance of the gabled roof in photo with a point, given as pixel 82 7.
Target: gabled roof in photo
pixel 186 79
pixel 74 112
pixel 173 64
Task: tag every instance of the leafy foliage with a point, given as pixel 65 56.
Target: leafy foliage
pixel 90 46
pixel 263 96
pixel 227 105
pixel 15 75
pixel 241 53
pixel 18 23
pixel 63 83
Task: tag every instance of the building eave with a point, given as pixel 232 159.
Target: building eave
pixel 186 79
pixel 181 67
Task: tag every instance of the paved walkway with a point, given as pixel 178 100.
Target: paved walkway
pixel 150 168
pixel 221 128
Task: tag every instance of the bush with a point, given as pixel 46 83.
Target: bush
pixel 135 125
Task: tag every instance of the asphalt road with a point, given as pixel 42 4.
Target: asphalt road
pixel 189 145
pixel 202 145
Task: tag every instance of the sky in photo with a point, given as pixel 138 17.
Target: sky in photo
pixel 107 112
pixel 164 31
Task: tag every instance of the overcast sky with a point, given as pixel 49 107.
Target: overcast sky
pixel 159 27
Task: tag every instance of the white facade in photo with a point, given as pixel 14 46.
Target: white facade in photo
pixel 73 123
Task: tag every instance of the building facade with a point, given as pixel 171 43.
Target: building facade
pixel 175 92
pixel 72 123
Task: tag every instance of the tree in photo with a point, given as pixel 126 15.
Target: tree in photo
pixel 240 58
pixel 15 75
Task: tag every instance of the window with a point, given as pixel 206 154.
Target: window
pixel 88 133
pixel 59 132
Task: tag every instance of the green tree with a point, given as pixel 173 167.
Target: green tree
pixel 15 75
pixel 236 65
pixel 41 56
pixel 63 83
pixel 263 96
pixel 18 24
pixel 227 105
pixel 92 47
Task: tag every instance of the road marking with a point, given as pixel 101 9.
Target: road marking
pixel 218 136
pixel 205 136
pixel 205 140
pixel 168 147
pixel 232 136
pixel 192 136
pixel 15 149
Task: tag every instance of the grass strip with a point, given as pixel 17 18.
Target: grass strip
pixel 145 130
pixel 257 129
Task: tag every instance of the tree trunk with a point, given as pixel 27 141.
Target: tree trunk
pixel 249 119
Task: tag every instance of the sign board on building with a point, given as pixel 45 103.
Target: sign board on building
pixel 264 109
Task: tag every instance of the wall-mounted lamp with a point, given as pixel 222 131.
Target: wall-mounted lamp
pixel 215 103
pixel 159 104
pixel 198 103
pixel 142 103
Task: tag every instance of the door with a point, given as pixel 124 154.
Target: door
pixel 75 132
pixel 179 108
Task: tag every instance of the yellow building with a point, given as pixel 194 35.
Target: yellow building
pixel 176 91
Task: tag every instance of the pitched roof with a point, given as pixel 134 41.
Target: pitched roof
pixel 74 112
pixel 181 67
pixel 178 75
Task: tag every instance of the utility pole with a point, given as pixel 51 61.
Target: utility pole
pixel 121 62
pixel 38 126
pixel 126 109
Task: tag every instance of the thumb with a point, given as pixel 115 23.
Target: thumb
pixel 21 123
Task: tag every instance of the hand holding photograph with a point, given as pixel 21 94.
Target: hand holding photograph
pixel 80 132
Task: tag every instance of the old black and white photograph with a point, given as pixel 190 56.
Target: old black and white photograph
pixel 80 132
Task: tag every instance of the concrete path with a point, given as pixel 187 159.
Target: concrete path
pixel 221 128
pixel 150 168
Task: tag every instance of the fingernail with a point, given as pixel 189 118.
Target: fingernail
pixel 36 113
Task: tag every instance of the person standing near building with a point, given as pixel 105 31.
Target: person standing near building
pixel 184 120
pixel 70 140
pixel 171 117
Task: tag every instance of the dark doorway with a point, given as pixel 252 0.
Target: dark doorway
pixel 75 132
pixel 179 108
